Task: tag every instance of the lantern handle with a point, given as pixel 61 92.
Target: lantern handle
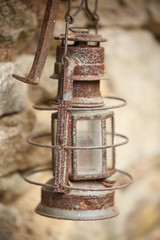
pixel 43 44
pixel 94 16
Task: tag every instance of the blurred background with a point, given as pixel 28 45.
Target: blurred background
pixel 132 56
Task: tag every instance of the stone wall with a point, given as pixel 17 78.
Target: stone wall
pixel 132 28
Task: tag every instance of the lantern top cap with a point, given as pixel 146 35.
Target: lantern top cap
pixel 82 37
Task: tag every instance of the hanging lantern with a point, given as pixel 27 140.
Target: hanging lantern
pixel 82 130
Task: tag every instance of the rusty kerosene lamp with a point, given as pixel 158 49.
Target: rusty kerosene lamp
pixel 82 132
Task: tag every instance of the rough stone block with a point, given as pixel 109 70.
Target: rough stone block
pixel 12 186
pixel 17 21
pixel 15 152
pixel 126 13
pixel 10 221
pixel 132 64
pixel 13 94
pixel 153 8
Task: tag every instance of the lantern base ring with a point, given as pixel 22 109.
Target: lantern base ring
pixel 85 216
pixel 75 215
pixel 44 169
pixel 77 205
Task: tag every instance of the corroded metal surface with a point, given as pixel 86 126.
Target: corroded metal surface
pixel 33 140
pixel 104 182
pixel 44 43
pixel 85 190
pixel 81 36
pixel 62 157
pixel 90 61
pixel 77 205
pixel 89 68
pixel 109 103
pixel 87 94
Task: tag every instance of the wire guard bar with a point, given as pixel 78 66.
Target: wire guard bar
pixel 32 141
pixel 53 106
pixel 38 170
